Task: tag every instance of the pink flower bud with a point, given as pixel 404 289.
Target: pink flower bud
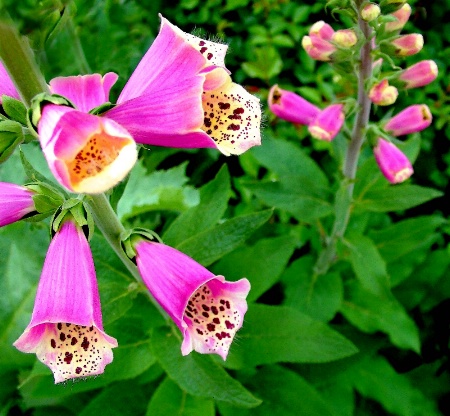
pixel 328 123
pixel 318 48
pixel 346 38
pixel 393 163
pixel 322 30
pixel 412 119
pixel 419 74
pixel 401 16
pixel 291 107
pixel 370 12
pixel 408 45
pixel 383 93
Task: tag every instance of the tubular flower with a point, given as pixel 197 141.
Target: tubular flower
pixel 345 38
pixel 15 202
pixel 393 163
pixel 207 309
pixel 402 16
pixel 412 119
pixel 291 107
pixel 328 123
pixel 317 45
pixel 407 45
pixel 383 93
pixel 7 87
pixel 66 330
pixel 419 74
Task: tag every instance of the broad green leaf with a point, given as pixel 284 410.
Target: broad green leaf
pixel 339 396
pixel 273 334
pixel 374 378
pixel 320 297
pixel 170 400
pixel 283 392
pixel 261 263
pixel 368 265
pixel 197 374
pixel 292 166
pixel 268 63
pixel 305 208
pixel 15 109
pixel 210 245
pixel 214 197
pixel 371 313
pixel 160 190
pixel 396 198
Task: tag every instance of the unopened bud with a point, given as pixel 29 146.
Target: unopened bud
pixel 393 163
pixel 407 45
pixel 345 38
pixel 328 123
pixel 390 6
pixel 419 74
pixel 383 93
pixel 370 12
pixel 402 16
pixel 322 30
pixel 318 48
pixel 411 120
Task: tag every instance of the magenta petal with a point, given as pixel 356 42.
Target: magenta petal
pixel 328 123
pixel 15 202
pixel 393 163
pixel 410 120
pixel 7 86
pixel 207 309
pixel 85 91
pixel 66 330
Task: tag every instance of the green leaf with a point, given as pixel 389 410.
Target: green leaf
pixel 396 198
pixel 267 65
pixel 274 334
pixel 197 374
pixel 214 197
pixel 160 190
pixel 261 263
pixel 210 245
pixel 170 400
pixel 15 109
pixel 320 297
pixel 371 313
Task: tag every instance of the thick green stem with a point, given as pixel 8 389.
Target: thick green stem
pixel 18 59
pixel 344 197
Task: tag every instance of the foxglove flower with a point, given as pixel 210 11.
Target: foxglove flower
pixel 207 309
pixel 370 12
pixel 407 45
pixel 7 87
pixel 393 163
pixel 328 123
pixel 291 107
pixel 345 38
pixel 401 17
pixel 383 93
pixel 419 74
pixel 66 330
pixel 411 120
pixel 15 202
pixel 317 44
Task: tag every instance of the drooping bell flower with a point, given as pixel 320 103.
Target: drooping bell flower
pixel 419 74
pixel 15 203
pixel 383 94
pixel 406 45
pixel 207 309
pixel 7 87
pixel 328 123
pixel 291 107
pixel 393 163
pixel 66 330
pixel 317 43
pixel 401 17
pixel 411 120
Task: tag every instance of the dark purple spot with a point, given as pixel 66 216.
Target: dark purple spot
pixel 239 110
pixel 59 326
pixel 216 321
pixel 209 56
pixel 85 344
pixel 205 307
pixel 53 343
pixel 74 341
pixel 62 336
pixel 68 358
pixel 233 127
pixel 200 332
pixel 205 314
pixel 210 327
pixel 214 310
pixel 204 49
pixel 229 325
pixel 78 370
pixel 224 106
pixel 207 122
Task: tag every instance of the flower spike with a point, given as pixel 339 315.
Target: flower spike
pixel 66 330
pixel 15 202
pixel 207 309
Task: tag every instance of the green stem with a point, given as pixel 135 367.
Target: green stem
pixel 344 196
pixel 18 59
pixel 80 57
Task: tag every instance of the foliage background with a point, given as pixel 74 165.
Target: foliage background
pixel 370 337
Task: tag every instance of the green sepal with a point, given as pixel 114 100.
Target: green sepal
pixel 14 109
pixel 32 174
pixel 103 108
pixel 11 135
pixel 35 110
pixel 130 238
pixel 77 210
pixel 46 198
pixel 390 6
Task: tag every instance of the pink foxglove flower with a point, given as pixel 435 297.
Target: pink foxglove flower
pixel 407 45
pixel 345 38
pixel 383 93
pixel 15 202
pixel 328 123
pixel 207 309
pixel 66 330
pixel 291 107
pixel 419 74
pixel 411 120
pixel 401 17
pixel 7 87
pixel 370 12
pixel 393 163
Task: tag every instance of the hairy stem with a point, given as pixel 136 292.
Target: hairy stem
pixel 344 196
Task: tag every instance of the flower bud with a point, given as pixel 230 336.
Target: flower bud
pixel 322 30
pixel 407 45
pixel 419 74
pixel 318 48
pixel 401 16
pixel 383 93
pixel 390 6
pixel 370 12
pixel 328 123
pixel 346 38
pixel 411 120
pixel 393 163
